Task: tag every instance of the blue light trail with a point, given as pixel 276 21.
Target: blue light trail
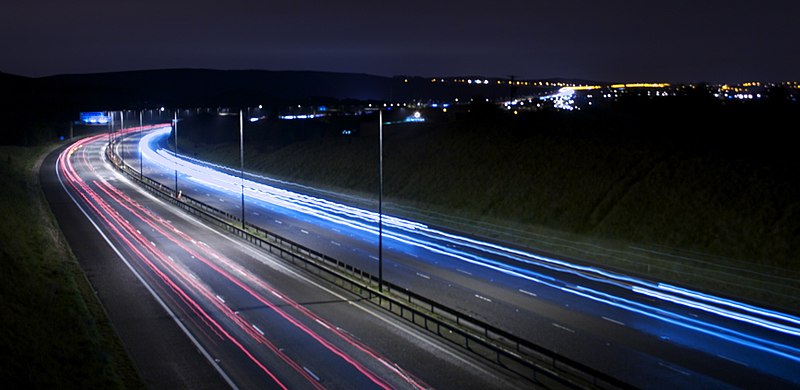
pixel 576 279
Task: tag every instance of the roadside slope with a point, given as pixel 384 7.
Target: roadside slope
pixel 56 334
pixel 162 354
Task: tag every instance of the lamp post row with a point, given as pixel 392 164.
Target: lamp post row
pixel 241 172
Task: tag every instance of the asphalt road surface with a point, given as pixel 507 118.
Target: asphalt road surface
pixel 232 314
pixel 646 333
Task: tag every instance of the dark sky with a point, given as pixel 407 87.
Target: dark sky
pixel 611 40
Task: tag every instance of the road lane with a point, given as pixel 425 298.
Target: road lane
pixel 246 317
pixel 665 332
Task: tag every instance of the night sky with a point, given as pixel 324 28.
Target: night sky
pixel 612 40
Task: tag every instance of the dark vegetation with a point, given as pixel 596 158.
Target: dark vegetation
pixel 682 175
pixel 36 109
pixel 55 332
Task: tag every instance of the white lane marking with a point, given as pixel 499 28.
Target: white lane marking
pixel 563 327
pixel 373 257
pixel 137 231
pixel 335 243
pixel 527 292
pixel 482 297
pixel 423 275
pixel 667 366
pixel 311 373
pixel 278 222
pixel 614 321
pixel 276 294
pixel 255 213
pixel 732 360
pixel 322 323
pixel 266 258
pixel 463 271
pixel 336 230
pixel 220 298
pixel 304 231
pixel 214 362
pixel 257 330
pixel 154 244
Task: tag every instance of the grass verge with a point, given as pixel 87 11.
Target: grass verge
pixel 55 331
pixel 650 194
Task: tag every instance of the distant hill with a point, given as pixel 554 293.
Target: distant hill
pixel 30 105
pixel 202 87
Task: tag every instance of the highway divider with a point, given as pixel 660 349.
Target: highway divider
pixel 541 366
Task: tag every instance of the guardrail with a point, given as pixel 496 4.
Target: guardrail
pixel 540 365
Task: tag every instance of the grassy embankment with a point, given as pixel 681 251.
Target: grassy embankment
pixel 55 332
pixel 693 193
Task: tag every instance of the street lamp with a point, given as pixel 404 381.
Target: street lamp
pixel 175 152
pixel 122 136
pixel 241 158
pixel 141 164
pixel 380 200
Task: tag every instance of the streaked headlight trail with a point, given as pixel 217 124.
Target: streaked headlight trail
pixel 763 338
pixel 184 267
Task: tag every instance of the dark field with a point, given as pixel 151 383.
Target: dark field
pixel 687 190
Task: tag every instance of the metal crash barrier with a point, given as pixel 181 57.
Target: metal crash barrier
pixel 541 366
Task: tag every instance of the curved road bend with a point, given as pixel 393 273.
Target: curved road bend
pixel 648 334
pixel 256 322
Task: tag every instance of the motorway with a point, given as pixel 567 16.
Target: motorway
pixel 649 334
pixel 258 322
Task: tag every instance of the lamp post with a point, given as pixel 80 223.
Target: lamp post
pixel 122 136
pixel 175 152
pixel 108 123
pixel 241 158
pixel 380 200
pixel 141 164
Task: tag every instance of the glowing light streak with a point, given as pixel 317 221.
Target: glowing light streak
pixel 423 237
pixel 164 228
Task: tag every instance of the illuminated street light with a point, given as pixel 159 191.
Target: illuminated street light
pixel 175 152
pixel 141 163
pixel 380 200
pixel 241 158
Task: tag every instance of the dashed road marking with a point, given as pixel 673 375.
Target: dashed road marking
pixel 526 292
pixel 732 360
pixel 667 366
pixel 304 231
pixel 463 271
pixel 559 326
pixel 614 321
pixel 482 297
pixel 423 275
pixel 322 323
pixel 311 373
